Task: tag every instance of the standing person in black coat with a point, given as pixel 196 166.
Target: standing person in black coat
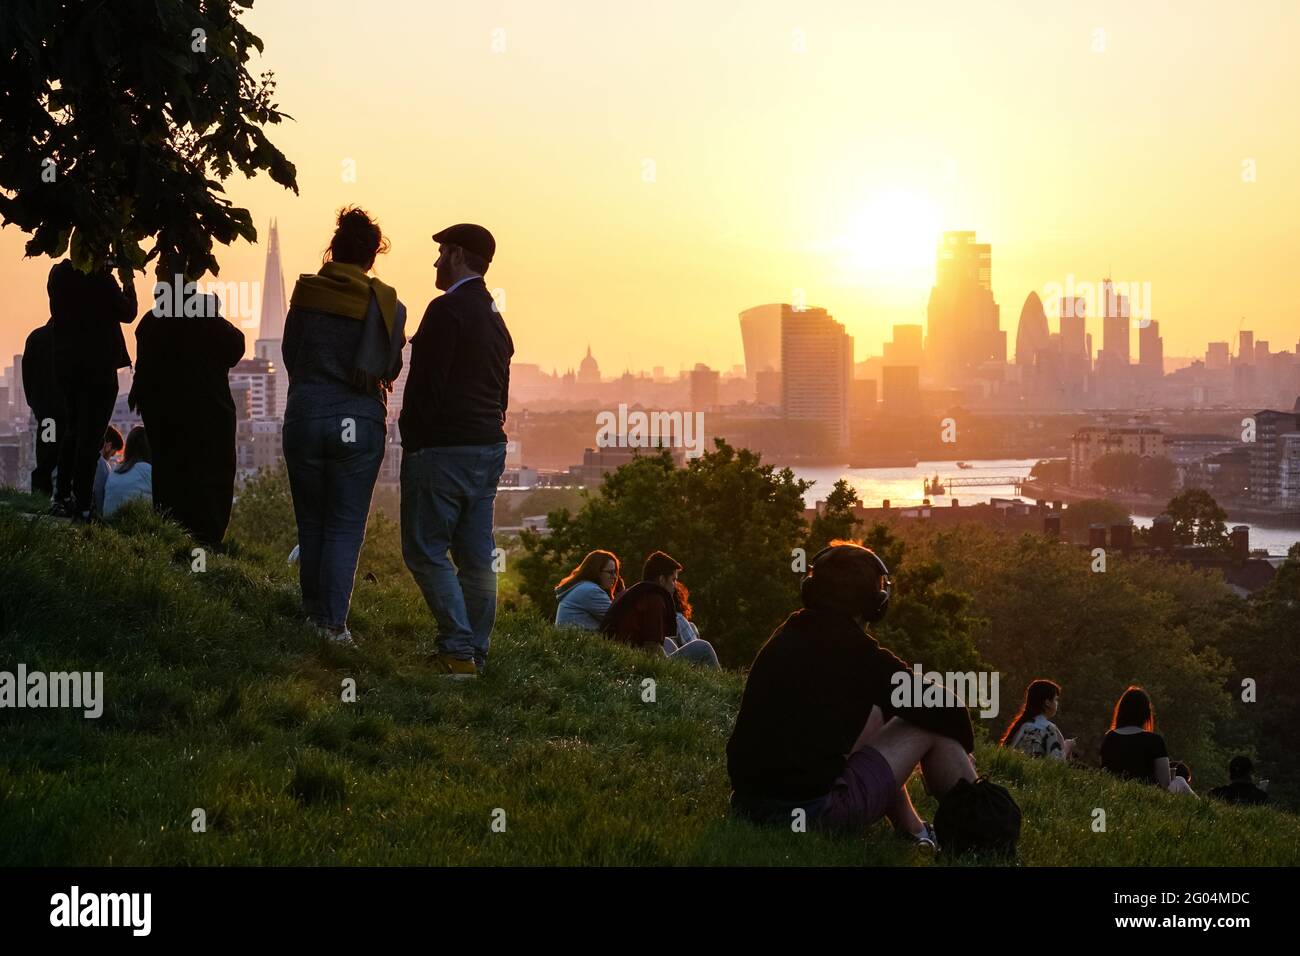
pixel 87 312
pixel 182 391
pixel 44 401
pixel 454 449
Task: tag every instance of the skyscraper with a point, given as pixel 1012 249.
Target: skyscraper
pixel 816 373
pixel 1246 348
pixel 1151 349
pixel 760 333
pixel 1032 334
pixel 270 326
pixel 1115 347
pixel 962 331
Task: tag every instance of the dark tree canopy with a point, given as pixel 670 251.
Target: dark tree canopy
pixel 120 120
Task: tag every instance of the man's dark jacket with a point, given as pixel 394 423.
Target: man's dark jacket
pixel 459 383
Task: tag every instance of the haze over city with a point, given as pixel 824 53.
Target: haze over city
pixel 647 183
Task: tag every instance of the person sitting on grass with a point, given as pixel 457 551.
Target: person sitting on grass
pixel 107 459
pixel 1181 779
pixel 586 593
pixel 645 615
pixel 820 731
pixel 1032 732
pixel 133 479
pixel 1132 749
pixel 686 629
pixel 1241 789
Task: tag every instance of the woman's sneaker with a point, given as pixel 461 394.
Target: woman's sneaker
pixel 343 638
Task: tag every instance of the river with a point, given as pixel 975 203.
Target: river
pixel 905 486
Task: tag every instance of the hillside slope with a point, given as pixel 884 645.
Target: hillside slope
pixel 219 697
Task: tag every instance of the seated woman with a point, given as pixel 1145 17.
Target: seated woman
pixel 1032 732
pixel 686 629
pixel 1132 749
pixel 586 594
pixel 133 479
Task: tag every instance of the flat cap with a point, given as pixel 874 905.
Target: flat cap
pixel 469 237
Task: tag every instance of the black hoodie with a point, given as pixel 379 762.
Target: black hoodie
pixel 806 700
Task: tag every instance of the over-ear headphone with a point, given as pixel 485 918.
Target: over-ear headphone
pixel 871 603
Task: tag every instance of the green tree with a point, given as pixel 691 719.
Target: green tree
pixel 1082 514
pixel 1198 519
pixel 1117 471
pixel 732 521
pixel 837 518
pixel 262 518
pixel 120 121
pixel 928 622
pixel 1051 471
pixel 1156 475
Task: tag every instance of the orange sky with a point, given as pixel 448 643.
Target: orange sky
pixel 784 139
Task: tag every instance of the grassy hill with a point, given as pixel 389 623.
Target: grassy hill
pixel 220 697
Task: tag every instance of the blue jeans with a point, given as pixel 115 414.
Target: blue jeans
pixel 332 481
pixel 447 498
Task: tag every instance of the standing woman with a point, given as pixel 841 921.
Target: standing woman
pixel 1032 732
pixel 342 348
pixel 1132 748
pixel 184 351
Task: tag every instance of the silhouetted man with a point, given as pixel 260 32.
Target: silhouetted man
pixel 1241 788
pixel 182 390
pixel 87 312
pixel 46 405
pixel 454 449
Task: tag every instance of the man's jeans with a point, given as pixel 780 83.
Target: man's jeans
pixel 332 481
pixel 447 498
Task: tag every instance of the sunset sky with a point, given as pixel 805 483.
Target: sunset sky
pixel 650 170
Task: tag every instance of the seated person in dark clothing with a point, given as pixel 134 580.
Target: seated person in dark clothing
pixel 645 615
pixel 1242 789
pixel 818 727
pixel 1132 749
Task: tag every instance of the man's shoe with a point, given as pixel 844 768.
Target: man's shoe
pixel 342 638
pixel 454 668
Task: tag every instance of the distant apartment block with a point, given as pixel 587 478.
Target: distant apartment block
pixel 1093 441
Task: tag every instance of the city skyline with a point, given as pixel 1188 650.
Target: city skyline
pixel 639 225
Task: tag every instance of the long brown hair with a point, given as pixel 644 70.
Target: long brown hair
pixel 1037 694
pixel 1134 709
pixel 589 570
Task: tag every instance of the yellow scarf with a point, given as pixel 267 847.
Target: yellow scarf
pixel 343 289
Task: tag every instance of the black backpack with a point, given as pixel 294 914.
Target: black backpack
pixel 979 816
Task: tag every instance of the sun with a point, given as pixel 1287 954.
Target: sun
pixel 894 238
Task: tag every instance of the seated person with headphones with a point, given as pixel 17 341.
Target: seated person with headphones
pixel 817 730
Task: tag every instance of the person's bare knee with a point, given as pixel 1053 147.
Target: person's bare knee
pixel 944 764
pixel 903 745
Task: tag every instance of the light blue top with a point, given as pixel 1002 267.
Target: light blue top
pixel 123 487
pixel 582 605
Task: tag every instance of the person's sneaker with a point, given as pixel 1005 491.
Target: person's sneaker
pixel 454 668
pixel 62 508
pixel 343 638
pixel 926 841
